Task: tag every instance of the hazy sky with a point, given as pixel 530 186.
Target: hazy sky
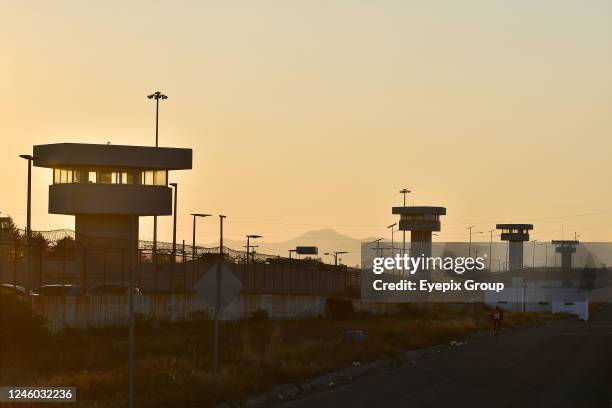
pixel 313 114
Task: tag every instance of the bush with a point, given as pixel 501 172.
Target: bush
pixel 260 315
pixel 339 309
pixel 18 324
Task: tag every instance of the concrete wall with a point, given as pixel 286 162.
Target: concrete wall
pixel 539 299
pixel 112 311
pixel 108 311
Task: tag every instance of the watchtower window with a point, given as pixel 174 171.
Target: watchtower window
pixel 62 176
pixel 154 177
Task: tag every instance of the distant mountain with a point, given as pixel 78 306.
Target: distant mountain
pixel 327 240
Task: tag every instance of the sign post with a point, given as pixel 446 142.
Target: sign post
pixel 218 295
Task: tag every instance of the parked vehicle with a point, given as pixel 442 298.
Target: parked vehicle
pixel 8 288
pixel 113 289
pixel 58 290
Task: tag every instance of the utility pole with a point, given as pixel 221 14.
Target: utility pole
pixel 218 303
pixel 404 191
pixel 392 241
pixel 29 158
pixel 491 248
pixel 377 242
pixel 470 245
pixel 193 243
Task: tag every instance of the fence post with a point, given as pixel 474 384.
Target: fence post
pixel 155 270
pixel 84 270
pixel 63 262
pixel 40 268
pixel 104 266
pixel 172 269
pixel 184 269
pixel 122 266
pixel 15 265
pixel 139 267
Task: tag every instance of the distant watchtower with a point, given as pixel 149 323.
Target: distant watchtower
pixel 421 221
pixel 5 229
pixel 515 234
pixel 566 249
pixel 107 187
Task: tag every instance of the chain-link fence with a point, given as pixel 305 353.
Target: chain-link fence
pixel 58 257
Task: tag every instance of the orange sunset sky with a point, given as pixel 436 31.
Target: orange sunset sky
pixel 306 115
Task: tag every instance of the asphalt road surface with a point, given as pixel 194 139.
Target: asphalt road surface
pixel 562 364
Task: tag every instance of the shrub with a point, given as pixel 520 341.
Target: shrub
pixel 260 315
pixel 18 324
pixel 339 309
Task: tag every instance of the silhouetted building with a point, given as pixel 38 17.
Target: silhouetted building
pixel 107 187
pixel 421 221
pixel 515 234
pixel 566 249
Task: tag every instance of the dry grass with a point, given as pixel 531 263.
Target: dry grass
pixel 173 361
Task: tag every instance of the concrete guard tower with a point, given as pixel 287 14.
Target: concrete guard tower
pixel 421 221
pixel 515 234
pixel 566 249
pixel 107 187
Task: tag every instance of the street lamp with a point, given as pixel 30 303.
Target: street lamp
pixel 377 242
pixel 392 241
pixel 404 191
pixel 335 255
pixel 248 237
pixel 175 186
pixel 470 245
pixel 157 96
pixel 173 264
pixel 193 243
pixel 29 158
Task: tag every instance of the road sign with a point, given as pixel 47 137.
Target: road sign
pixel 206 287
pixel 307 250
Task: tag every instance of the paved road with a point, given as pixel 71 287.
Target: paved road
pixel 564 364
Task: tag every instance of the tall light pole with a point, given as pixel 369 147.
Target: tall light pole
pixel 193 242
pixel 29 158
pixel 404 191
pixel 392 241
pixel 157 96
pixel 248 237
pixel 470 245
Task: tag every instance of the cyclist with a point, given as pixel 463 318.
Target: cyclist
pixel 497 317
